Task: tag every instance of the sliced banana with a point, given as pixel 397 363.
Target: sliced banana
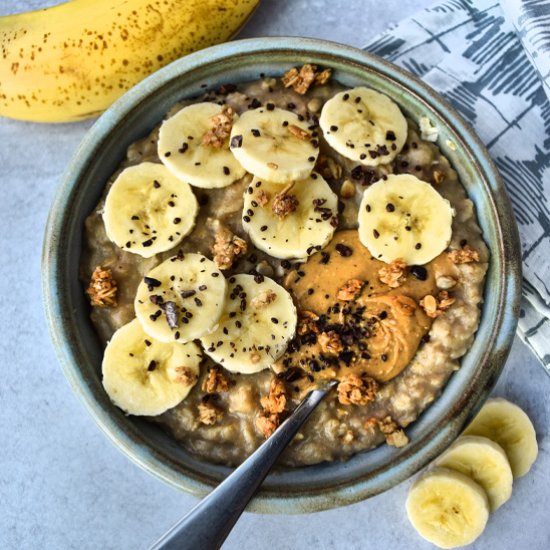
pixel 181 299
pixel 364 125
pixel 404 217
pixel 509 426
pixel 485 462
pixel 447 508
pixel 274 144
pixel 258 320
pixel 148 210
pixel 308 225
pixel 145 377
pixel 181 148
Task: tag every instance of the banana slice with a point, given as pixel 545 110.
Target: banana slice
pixel 146 377
pixel 258 320
pixel 509 426
pixel 291 221
pixel 485 462
pixel 181 299
pixel 274 144
pixel 181 148
pixel 148 210
pixel 447 508
pixel 404 217
pixel 364 125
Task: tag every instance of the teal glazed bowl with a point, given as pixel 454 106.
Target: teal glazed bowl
pixel 326 485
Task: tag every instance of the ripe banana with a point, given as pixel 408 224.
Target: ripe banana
pixel 509 426
pixel 73 60
pixel 485 462
pixel 148 210
pixel 404 217
pixel 447 508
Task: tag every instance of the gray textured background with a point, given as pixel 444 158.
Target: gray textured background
pixel 63 485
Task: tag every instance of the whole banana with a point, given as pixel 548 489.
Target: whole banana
pixel 73 60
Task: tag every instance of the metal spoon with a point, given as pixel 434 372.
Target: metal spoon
pixel 207 525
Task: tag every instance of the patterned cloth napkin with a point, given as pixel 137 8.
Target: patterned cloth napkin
pixel 491 61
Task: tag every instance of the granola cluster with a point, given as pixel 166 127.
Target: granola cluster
pixel 393 274
pixel 209 413
pixel 273 406
pixel 221 128
pixel 103 288
pixel 435 306
pixel 464 255
pixel 350 290
pixel 263 299
pixel 216 381
pixel 284 204
pixel 356 390
pixel 394 435
pixel 330 342
pixel 301 80
pixel 185 376
pixel 227 247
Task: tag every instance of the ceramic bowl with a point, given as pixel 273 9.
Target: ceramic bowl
pixel 133 116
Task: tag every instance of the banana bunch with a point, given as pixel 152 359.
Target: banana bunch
pixel 450 504
pixel 73 60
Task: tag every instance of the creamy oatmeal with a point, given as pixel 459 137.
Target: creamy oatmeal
pixel 391 332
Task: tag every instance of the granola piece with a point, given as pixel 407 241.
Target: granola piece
pixel 406 305
pixel 355 390
pixel 263 299
pixel 267 423
pixel 103 288
pixel 371 423
pixel 209 413
pixel 216 381
pixel 347 191
pixel 350 290
pixel 185 376
pixel 330 342
pixel 284 204
pixel 393 433
pixel 393 274
pixel 434 307
pixel 255 355
pixel 262 197
pixel 464 255
pixel 221 128
pixel 438 176
pixel 275 401
pixel 328 167
pixel 299 133
pixel 227 247
pixel 307 322
pixel 323 77
pixel 300 81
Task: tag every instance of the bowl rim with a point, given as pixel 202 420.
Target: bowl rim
pixel 492 359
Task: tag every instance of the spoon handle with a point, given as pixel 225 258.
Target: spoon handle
pixel 207 525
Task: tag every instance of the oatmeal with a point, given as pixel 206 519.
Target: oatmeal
pixel 390 331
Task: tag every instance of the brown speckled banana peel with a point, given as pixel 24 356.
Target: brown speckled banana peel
pixel 73 60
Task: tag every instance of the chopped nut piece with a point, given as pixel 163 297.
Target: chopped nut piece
pixel 445 282
pixel 350 290
pixel 354 390
pixel 209 414
pixel 263 299
pixel 307 322
pixel 267 423
pixel 406 305
pixel 103 288
pixel 299 133
pixel 221 128
pixel 330 342
pixel 323 77
pixel 301 80
pixel 227 247
pixel 284 204
pixel 216 381
pixel 275 401
pixel 262 198
pixel 185 376
pixel 464 255
pixel 438 176
pixel 347 191
pixel 393 274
